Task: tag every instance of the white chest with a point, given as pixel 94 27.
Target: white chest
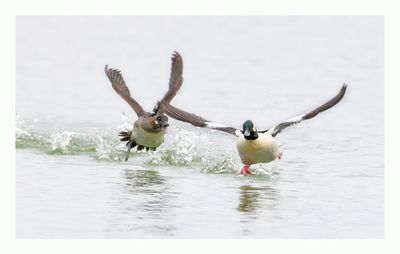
pixel 261 150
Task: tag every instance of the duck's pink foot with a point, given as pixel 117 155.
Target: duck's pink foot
pixel 280 155
pixel 245 171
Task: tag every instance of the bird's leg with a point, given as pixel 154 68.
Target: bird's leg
pixel 129 145
pixel 245 170
pixel 280 155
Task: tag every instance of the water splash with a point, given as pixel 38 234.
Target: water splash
pixel 228 165
pixel 178 150
pixel 125 125
pixel 107 150
pixel 61 142
pixel 181 148
pixel 25 136
pixel 22 128
pixel 265 169
pixel 67 142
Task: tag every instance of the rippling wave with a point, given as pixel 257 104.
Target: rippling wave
pixel 230 165
pixel 94 142
pixel 181 148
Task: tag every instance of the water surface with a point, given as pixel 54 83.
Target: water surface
pixel 72 182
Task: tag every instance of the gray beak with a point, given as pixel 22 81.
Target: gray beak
pixel 246 133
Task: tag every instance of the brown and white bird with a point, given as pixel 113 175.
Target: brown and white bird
pixel 149 129
pixel 253 146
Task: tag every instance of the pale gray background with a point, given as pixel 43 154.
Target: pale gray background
pixel 329 184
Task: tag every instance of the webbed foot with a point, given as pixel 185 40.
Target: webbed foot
pixel 245 171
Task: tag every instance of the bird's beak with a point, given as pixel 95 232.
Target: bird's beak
pixel 246 132
pixel 162 124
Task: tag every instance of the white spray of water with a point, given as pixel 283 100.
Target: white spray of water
pixel 61 141
pixel 22 128
pixel 229 165
pixel 179 149
pixel 106 149
pixel 125 125
pixel 265 169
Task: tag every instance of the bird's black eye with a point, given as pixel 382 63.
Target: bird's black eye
pixel 158 118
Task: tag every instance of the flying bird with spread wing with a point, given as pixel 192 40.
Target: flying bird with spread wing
pixel 253 146
pixel 149 129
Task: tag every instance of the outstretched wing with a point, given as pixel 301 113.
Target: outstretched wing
pixel 195 120
pixel 295 120
pixel 175 82
pixel 175 79
pixel 118 83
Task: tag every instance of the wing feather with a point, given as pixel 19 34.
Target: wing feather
pixel 295 120
pixel 119 86
pixel 175 79
pixel 196 120
pixel 175 82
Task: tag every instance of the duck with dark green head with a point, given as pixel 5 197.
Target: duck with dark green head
pixel 253 146
pixel 249 130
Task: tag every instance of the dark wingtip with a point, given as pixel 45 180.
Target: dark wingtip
pixel 176 55
pixel 340 95
pixel 343 90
